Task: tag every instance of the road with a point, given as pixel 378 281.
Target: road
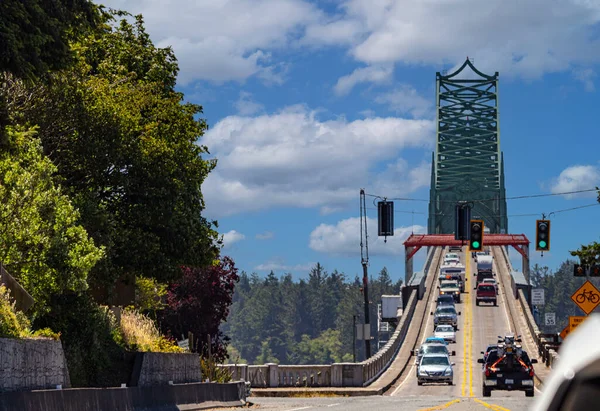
pixel 478 327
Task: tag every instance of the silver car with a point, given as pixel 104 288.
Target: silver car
pixel 431 348
pixel 445 315
pixel 446 332
pixel 435 368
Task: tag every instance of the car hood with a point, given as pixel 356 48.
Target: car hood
pixel 443 334
pixel 445 315
pixel 433 368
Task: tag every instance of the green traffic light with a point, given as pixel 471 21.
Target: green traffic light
pixel 475 244
pixel 542 244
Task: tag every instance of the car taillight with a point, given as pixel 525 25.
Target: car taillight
pixel 531 372
pixel 487 372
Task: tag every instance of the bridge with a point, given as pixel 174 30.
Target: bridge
pixel 467 165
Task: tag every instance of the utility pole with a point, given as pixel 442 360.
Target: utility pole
pixel 354 338
pixel 364 254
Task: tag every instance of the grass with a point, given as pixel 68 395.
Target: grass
pixel 141 334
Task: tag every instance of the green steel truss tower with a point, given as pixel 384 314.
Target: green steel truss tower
pixel 467 164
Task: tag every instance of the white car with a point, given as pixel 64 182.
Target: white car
pixel 491 281
pixel 446 332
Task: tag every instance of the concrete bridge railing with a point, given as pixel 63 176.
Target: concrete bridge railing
pixel 340 374
pixel 549 355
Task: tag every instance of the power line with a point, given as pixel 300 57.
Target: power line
pixel 489 199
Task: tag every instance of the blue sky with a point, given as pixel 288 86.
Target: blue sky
pixel 308 102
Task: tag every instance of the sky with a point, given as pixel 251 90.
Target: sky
pixel 310 101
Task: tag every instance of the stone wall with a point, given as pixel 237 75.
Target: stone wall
pixel 151 369
pixel 32 364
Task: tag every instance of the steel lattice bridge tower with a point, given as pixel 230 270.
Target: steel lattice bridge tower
pixel 467 164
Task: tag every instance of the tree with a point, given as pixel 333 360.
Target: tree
pixel 126 151
pixel 34 34
pixel 41 243
pixel 199 302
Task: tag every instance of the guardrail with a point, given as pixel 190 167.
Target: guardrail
pixel 547 344
pixel 337 374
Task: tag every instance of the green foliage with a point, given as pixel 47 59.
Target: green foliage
pixel 149 294
pixel 278 320
pixel 214 373
pixel 126 152
pixel 12 325
pixel 92 341
pixel 34 34
pixel 41 243
pixel 589 254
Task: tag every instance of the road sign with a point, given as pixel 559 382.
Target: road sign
pixel 550 319
pixel 537 296
pixel 587 297
pixel 563 334
pixel 575 320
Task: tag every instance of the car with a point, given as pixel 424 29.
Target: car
pixel 487 351
pixel 491 281
pixel 435 368
pixel 455 248
pixel 450 287
pixel 435 340
pixel 445 299
pixel 445 315
pixel 446 332
pixel 508 370
pixel 451 258
pixel 486 293
pixel 431 348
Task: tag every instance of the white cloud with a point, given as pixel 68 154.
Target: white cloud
pixel 372 74
pixel 578 177
pixel 405 100
pixel 232 237
pixel 586 76
pixel 291 158
pixel 278 266
pixel 343 239
pixel 222 40
pixel 525 38
pixel 245 105
pixel 267 235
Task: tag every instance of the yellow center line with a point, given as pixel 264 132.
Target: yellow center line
pixel 440 407
pixel 491 406
pixel 470 310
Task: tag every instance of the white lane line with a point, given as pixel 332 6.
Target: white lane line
pixel 431 307
pixel 333 405
pixel 298 409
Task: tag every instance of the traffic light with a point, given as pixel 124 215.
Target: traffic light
pixel 542 235
pixel 462 216
pixel 476 235
pixel 579 270
pixel 385 217
pixel 595 270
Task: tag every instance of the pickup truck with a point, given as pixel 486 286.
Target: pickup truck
pixel 486 293
pixel 450 287
pixel 507 371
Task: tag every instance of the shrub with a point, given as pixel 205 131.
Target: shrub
pixel 15 324
pixel 141 334
pixel 92 341
pixel 212 372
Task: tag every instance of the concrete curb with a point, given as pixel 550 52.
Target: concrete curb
pixel 209 405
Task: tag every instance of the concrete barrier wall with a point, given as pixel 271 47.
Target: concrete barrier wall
pixel 32 364
pixel 153 368
pixel 521 293
pixel 160 398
